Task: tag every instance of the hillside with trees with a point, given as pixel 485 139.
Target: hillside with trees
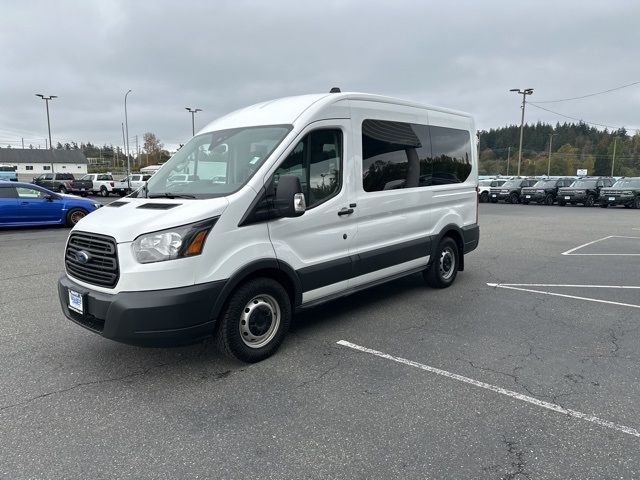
pixel 574 146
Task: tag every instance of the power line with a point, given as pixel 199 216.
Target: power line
pixel 589 94
pixel 578 119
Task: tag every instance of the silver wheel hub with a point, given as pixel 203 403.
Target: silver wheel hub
pixel 447 263
pixel 259 321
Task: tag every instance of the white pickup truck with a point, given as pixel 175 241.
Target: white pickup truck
pixel 135 181
pixel 103 183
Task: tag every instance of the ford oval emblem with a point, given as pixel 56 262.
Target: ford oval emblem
pixel 82 257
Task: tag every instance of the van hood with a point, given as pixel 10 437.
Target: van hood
pixel 128 218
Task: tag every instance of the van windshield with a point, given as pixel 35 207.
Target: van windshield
pixel 215 164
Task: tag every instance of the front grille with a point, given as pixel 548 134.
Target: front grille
pixel 101 268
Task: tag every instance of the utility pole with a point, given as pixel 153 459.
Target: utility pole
pixel 524 93
pixel 23 143
pixel 193 112
pixel 508 157
pixel 126 123
pixel 124 144
pixel 551 135
pixel 613 163
pixel 137 151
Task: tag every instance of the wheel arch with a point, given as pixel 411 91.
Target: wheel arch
pixel 455 232
pixel 269 268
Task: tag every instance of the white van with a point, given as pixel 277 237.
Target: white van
pixel 288 204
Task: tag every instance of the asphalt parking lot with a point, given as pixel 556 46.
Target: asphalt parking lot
pixel 522 369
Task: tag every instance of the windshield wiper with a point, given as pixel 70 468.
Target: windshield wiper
pixel 170 195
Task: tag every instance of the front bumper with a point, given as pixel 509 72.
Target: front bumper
pixel 152 318
pixel 614 200
pixel 572 198
pixel 532 197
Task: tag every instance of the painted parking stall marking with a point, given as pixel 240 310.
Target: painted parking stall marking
pixel 572 251
pixel 509 393
pixel 522 287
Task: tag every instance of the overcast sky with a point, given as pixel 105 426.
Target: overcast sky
pixel 223 55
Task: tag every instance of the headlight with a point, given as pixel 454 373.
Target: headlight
pixel 539 191
pixel 178 242
pixel 627 193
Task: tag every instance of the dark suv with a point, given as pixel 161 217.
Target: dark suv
pixel 509 191
pixel 545 191
pixel 625 191
pixel 585 190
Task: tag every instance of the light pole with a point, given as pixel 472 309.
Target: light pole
pixel 551 135
pixel 126 125
pixel 46 99
pixel 508 158
pixel 613 163
pixel 524 93
pixel 193 112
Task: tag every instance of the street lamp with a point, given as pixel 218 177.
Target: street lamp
pixel 193 112
pixel 126 124
pixel 524 93
pixel 551 135
pixel 46 99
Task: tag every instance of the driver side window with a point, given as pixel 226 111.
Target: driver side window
pixel 317 161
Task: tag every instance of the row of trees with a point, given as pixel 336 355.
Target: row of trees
pixel 153 152
pixel 574 146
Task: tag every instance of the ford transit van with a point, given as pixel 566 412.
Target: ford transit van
pixel 274 208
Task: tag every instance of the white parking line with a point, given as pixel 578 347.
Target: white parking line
pixel 560 285
pixel 563 295
pixel 570 252
pixel 518 396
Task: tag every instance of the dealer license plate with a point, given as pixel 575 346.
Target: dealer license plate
pixel 611 199
pixel 527 196
pixel 75 302
pixel 494 195
pixel 567 198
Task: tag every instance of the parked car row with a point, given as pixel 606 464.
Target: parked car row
pixel 25 204
pixel 101 184
pixel 586 191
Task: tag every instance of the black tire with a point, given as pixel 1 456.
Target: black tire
pixel 548 200
pixel 514 198
pixel 604 205
pixel 62 190
pixel 104 192
pixel 590 201
pixel 236 327
pixel 484 197
pixel 444 268
pixel 74 216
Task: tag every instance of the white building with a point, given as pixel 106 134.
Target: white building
pixel 31 161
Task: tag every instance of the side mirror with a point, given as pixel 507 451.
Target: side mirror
pixel 289 199
pixel 50 198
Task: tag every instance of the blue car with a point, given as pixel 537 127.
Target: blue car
pixel 24 204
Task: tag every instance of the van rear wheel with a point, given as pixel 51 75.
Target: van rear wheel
pixel 255 320
pixel 444 267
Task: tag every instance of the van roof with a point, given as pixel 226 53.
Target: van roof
pixel 287 110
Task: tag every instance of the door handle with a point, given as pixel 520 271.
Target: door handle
pixel 345 211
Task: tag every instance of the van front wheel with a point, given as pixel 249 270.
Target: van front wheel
pixel 444 267
pixel 255 320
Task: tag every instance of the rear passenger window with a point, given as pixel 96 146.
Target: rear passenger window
pixel 7 192
pixel 405 155
pixel 316 160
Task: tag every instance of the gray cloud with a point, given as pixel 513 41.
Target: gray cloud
pixel 224 55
